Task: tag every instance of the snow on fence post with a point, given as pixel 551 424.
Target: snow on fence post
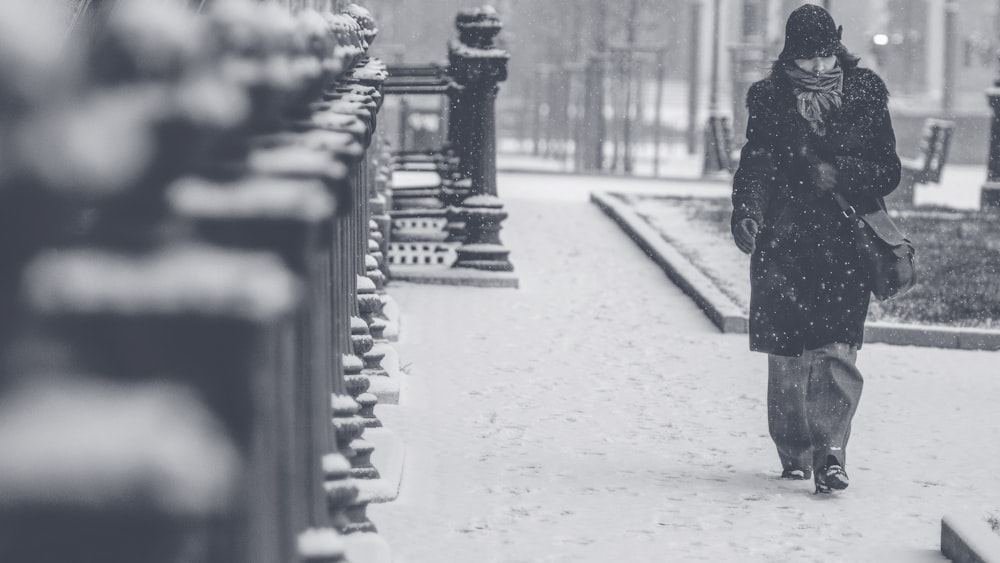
pixel 136 438
pixel 223 335
pixel 176 242
pixel 367 81
pixel 477 66
pixel 322 145
pixel 350 109
pixel 382 202
pixel 288 216
pixel 370 74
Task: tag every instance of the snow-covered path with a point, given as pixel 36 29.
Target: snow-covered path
pixel 596 415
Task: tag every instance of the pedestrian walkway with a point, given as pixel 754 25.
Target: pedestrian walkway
pixel 596 415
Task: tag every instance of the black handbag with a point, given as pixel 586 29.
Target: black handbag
pixel 889 256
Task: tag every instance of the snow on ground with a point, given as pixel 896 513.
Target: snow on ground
pixel 596 415
pixel 959 188
pixel 713 252
pixel 675 162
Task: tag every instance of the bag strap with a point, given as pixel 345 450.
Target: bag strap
pixel 845 206
pixel 878 221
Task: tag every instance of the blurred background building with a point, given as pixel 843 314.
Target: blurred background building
pixel 937 56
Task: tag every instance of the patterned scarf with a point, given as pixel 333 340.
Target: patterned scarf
pixel 816 93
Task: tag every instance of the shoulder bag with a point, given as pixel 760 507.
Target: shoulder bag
pixel 888 255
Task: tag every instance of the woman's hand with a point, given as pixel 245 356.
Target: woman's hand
pixel 745 235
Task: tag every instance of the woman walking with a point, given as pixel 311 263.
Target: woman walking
pixel 818 125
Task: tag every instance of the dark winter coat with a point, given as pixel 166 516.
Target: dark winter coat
pixel 807 287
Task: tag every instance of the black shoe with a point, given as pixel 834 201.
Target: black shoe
pixel 831 478
pixel 796 474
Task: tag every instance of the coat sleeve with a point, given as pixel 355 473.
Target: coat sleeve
pixel 876 172
pixel 754 180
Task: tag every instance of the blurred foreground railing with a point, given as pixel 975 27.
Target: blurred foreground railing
pixel 191 285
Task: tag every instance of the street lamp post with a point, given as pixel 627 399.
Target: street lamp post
pixel 594 130
pixel 629 71
pixel 747 58
pixel 717 129
pixel 713 93
pixel 694 92
pixel 949 78
pixel 990 195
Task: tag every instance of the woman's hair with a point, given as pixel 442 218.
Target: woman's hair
pixel 846 59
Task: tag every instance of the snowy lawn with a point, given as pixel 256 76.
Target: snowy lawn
pixel 958 255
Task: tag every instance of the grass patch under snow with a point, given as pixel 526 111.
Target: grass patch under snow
pixel 958 258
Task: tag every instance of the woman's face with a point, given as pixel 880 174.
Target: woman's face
pixel 817 65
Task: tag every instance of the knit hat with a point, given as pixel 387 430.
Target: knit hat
pixel 810 32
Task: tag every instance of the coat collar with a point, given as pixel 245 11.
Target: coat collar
pixel 863 93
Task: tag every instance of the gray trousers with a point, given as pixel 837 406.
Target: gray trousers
pixel 810 403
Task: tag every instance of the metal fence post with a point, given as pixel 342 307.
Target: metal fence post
pixel 478 66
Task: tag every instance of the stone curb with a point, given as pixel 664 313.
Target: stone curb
pixel 933 336
pixel 436 275
pixel 722 312
pixel 730 318
pixel 967 538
